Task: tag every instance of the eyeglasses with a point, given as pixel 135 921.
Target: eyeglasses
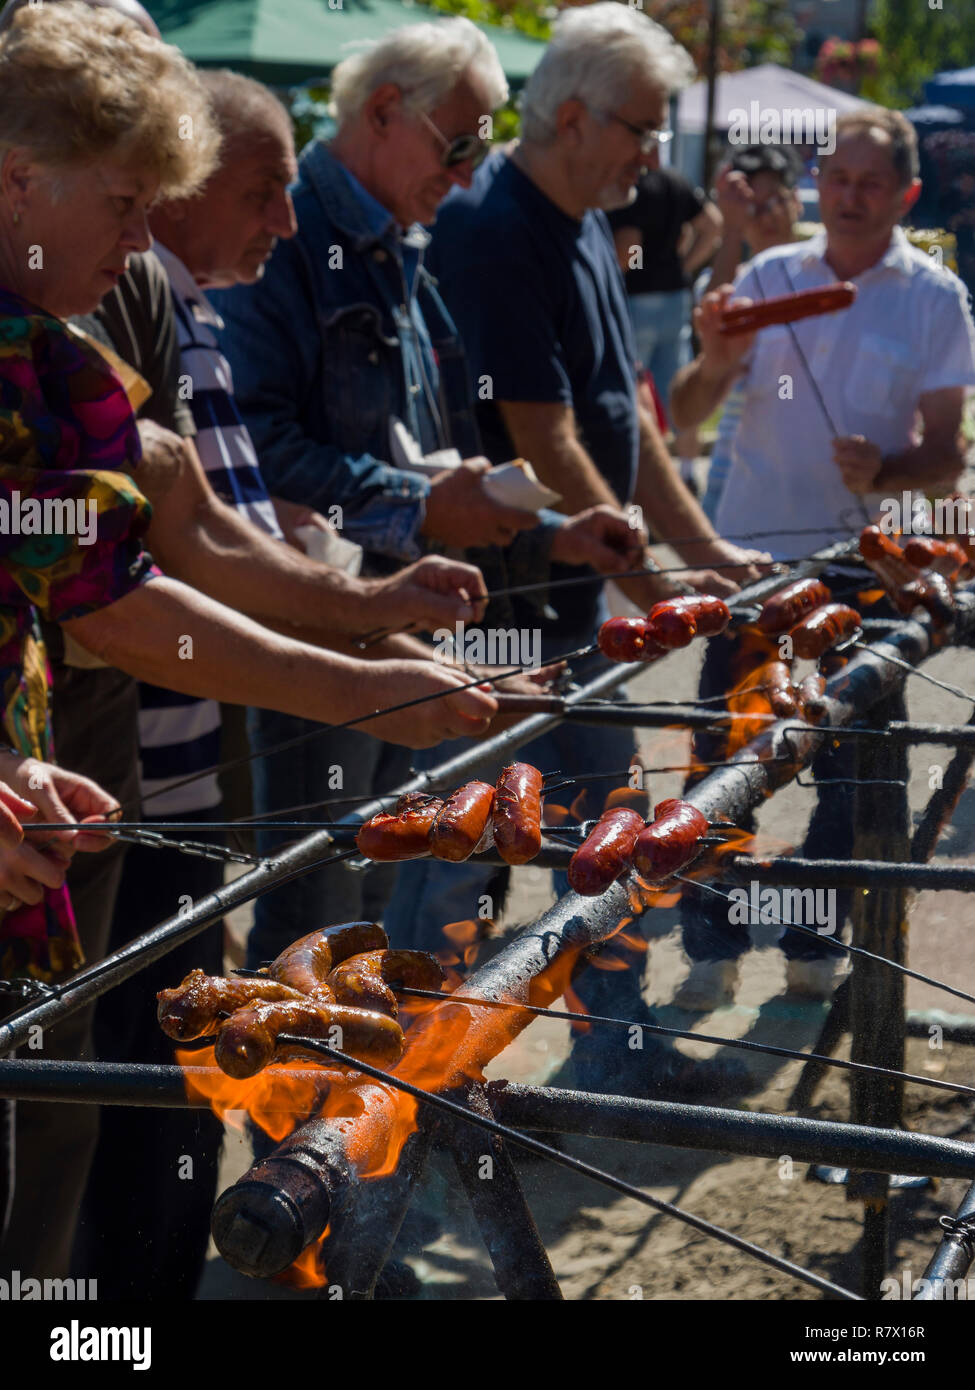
pixel 459 150
pixel 648 137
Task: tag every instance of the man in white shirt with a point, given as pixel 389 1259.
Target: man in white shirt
pixel 904 349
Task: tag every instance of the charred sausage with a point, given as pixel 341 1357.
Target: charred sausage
pixel 364 980
pixel 606 852
pixel 305 964
pixel 790 605
pixel 405 835
pixel 671 841
pixel 777 680
pixel 247 1040
pixel 517 817
pixel 461 822
pixel 191 1009
pixel 823 629
pixel 810 694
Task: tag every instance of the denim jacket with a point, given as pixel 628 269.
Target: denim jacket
pixel 323 350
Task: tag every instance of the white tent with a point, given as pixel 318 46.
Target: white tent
pixel 774 88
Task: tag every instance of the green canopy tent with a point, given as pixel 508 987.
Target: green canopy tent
pixel 287 42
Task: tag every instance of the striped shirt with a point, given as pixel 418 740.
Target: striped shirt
pixel 179 734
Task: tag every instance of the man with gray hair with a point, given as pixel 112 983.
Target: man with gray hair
pixel 346 335
pixel 526 264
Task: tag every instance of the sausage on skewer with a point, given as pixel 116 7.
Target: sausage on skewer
pixel 790 605
pixel 671 842
pixel 824 629
pixel 787 308
pixel 606 852
pixel 517 817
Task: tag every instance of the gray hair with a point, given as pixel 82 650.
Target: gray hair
pixel 241 105
pixel 426 61
pixel 598 53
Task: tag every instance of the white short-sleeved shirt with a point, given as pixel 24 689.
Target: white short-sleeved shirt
pixel 908 332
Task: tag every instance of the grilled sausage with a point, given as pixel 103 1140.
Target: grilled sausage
pixel 305 964
pixel 933 593
pixel 190 1009
pixel 777 680
pixel 711 615
pixel 942 557
pixel 461 822
pixel 812 705
pixel 671 626
pixel 606 852
pixel 823 629
pixel 671 841
pixel 405 835
pixel 518 813
pixel 364 980
pixel 247 1040
pixel 626 639
pixel 787 308
pixel 790 605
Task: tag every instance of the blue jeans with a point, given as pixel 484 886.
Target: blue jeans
pixel 662 329
pixel 299 776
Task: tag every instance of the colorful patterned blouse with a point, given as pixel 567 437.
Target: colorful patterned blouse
pixel 70 526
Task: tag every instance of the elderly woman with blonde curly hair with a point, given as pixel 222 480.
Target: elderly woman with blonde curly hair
pixel 97 119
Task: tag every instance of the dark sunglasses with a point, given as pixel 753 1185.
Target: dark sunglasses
pixel 459 150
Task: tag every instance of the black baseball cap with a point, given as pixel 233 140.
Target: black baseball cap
pixel 768 159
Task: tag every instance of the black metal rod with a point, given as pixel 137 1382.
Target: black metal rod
pixel 521 1265
pixel 906 731
pixel 942 804
pixel 656 716
pixel 156 1085
pixel 524 1141
pixel 743 1132
pixel 660 1030
pixel 842 873
pixel 953 1257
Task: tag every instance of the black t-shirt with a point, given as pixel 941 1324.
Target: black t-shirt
pixel 665 202
pixel 538 299
pixel 136 320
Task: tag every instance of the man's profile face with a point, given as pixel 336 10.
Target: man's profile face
pixel 244 208
pixel 414 178
pixel 611 159
pixel 861 196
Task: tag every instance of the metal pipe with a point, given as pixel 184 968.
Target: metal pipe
pixel 127 1083
pixel 843 873
pixel 521 1264
pixel 744 1132
pixel 953 1257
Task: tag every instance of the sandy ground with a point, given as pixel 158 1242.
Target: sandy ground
pixel 606 1247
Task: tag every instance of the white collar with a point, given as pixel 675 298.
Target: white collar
pixel 183 285
pixel 896 257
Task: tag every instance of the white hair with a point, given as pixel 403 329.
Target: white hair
pixel 597 54
pixel 426 61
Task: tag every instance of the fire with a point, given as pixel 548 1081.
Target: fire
pixel 308 1270
pixel 276 1098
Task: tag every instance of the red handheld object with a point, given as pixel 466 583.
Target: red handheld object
pixel 606 852
pixel 518 813
pixel 671 842
pixel 824 629
pixel 787 308
pixel 790 605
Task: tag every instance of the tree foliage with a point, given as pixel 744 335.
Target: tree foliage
pixel 916 41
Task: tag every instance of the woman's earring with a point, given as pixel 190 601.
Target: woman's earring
pixel 16 219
